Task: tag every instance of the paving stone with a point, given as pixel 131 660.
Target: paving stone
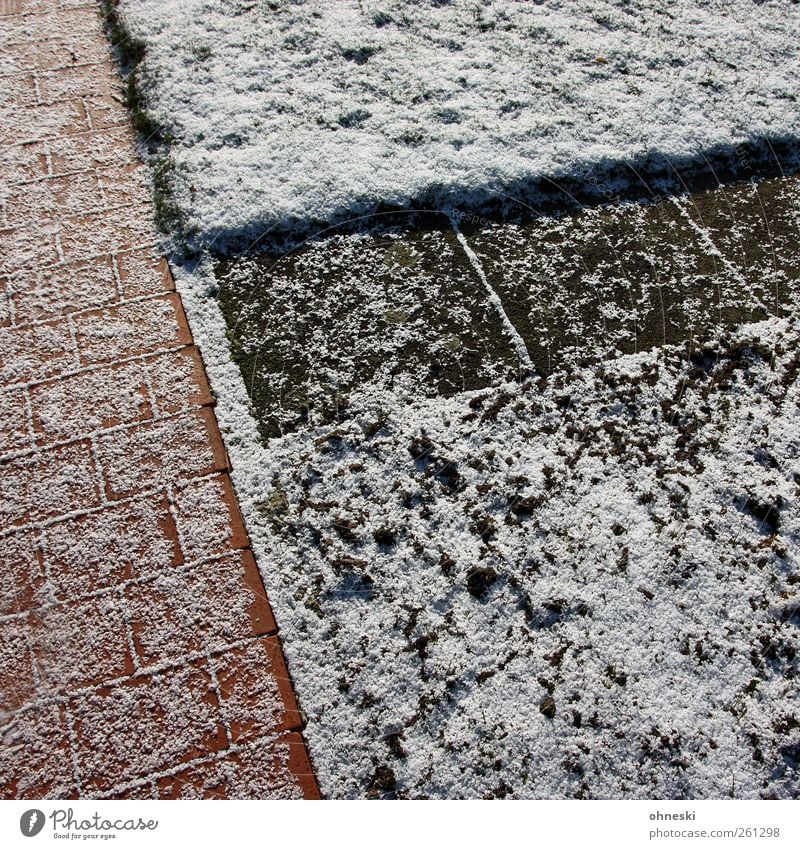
pixel 46 484
pixel 66 287
pixel 35 758
pixel 132 328
pixel 105 112
pixel 18 90
pixel 36 352
pixel 125 185
pixel 144 273
pixel 21 125
pixel 107 232
pixel 27 247
pixel 17 682
pixel 145 725
pixel 208 518
pixel 179 381
pixel 200 608
pixel 255 690
pixel 154 455
pixel 80 644
pixel 23 162
pixel 11 7
pixel 14 432
pixel 99 80
pixel 79 49
pixel 108 148
pixel 21 574
pixel 90 401
pixel 266 769
pixel 90 553
pixel 52 198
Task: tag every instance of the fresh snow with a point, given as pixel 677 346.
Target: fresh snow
pixel 298 110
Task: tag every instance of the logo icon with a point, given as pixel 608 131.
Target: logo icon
pixel 31 822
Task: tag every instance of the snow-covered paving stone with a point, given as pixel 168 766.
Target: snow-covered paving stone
pixel 295 111
pixel 105 684
pixel 397 308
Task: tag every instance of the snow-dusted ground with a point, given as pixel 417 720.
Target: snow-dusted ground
pixel 580 586
pixel 623 540
pixel 301 109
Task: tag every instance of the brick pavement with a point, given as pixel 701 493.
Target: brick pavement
pixel 138 651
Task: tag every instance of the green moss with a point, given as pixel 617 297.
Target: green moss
pixel 154 138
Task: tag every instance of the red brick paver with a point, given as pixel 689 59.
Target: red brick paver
pixel 139 655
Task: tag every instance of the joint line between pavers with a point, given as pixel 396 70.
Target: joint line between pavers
pixel 118 277
pixel 35 450
pixel 215 686
pixel 72 738
pixel 147 492
pixel 100 478
pixel 494 299
pixel 122 585
pixel 174 664
pixel 30 384
pixel 202 760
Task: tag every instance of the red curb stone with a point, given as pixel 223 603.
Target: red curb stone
pixel 179 381
pixel 90 401
pixel 193 610
pixel 145 725
pixel 27 125
pixel 21 574
pixel 155 455
pixel 208 518
pixel 53 198
pixel 17 682
pixel 46 484
pixel 35 760
pixel 133 328
pixel 119 543
pixel 36 352
pixel 143 273
pixel 80 644
pixel 255 691
pixel 13 421
pixel 266 769
pixel 63 288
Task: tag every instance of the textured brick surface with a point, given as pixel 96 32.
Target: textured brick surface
pixel 38 294
pixel 108 547
pixel 146 724
pixel 138 650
